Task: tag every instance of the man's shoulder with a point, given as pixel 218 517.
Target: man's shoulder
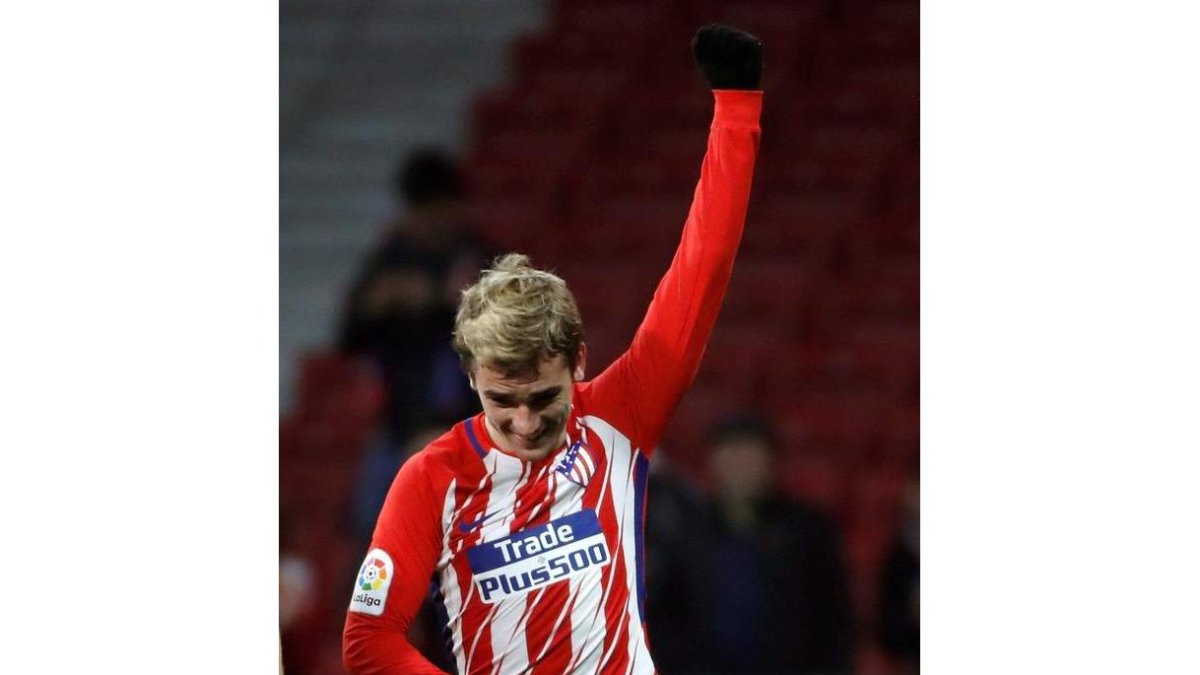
pixel 592 400
pixel 610 406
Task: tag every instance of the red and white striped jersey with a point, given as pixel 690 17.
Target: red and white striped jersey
pixel 541 563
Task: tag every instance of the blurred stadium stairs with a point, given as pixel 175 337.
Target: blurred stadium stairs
pixel 361 83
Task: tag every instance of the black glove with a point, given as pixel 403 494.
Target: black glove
pixel 728 57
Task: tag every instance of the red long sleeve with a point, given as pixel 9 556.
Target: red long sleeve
pixel 405 548
pixel 665 354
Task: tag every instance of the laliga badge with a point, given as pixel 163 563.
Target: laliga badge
pixel 371 586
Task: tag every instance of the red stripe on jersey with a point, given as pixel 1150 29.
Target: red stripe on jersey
pixel 597 487
pixel 552 656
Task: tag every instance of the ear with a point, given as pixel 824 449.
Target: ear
pixel 580 363
pixel 471 380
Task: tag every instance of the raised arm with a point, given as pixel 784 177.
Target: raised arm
pixel 649 379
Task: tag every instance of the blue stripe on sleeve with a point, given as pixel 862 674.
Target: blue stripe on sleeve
pixel 474 441
pixel 641 472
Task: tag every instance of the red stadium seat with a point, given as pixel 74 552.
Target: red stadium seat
pixel 901 436
pixel 532 149
pixel 842 102
pixel 880 35
pixel 604 18
pixel 339 390
pixel 514 222
pixel 814 479
pixel 876 498
pixel 842 427
pixel 523 108
pixel 604 344
pixel 800 226
pixel 735 360
pixel 640 228
pixel 865 547
pixel 835 172
pixel 767 294
pixel 889 236
pixel 890 293
pixel 872 660
pixel 700 409
pixel 644 110
pixel 317 486
pixel 642 174
pixel 609 294
pixel 576 47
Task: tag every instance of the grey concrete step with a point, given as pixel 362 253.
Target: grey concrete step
pixel 316 173
pixel 406 78
pixel 500 15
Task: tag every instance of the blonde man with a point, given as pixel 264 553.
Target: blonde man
pixel 529 515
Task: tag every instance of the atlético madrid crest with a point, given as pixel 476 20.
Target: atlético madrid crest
pixel 578 465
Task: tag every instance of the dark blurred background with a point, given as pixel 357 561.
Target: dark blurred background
pixel 420 138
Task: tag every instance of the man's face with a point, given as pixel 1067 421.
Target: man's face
pixel 741 468
pixel 527 413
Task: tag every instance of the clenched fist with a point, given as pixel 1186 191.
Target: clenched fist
pixel 728 57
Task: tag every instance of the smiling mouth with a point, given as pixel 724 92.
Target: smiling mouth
pixel 532 439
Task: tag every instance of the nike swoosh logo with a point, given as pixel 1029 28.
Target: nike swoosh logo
pixel 466 527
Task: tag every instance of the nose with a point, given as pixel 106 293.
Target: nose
pixel 524 421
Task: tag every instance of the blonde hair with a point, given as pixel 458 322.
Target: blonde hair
pixel 514 317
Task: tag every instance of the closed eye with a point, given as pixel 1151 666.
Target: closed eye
pixel 544 398
pixel 537 401
pixel 502 400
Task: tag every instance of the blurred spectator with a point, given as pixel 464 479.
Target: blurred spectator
pixel 299 616
pixel 297 589
pixel 379 467
pixel 672 507
pixel 754 582
pixel 400 314
pixel 900 588
pixel 400 311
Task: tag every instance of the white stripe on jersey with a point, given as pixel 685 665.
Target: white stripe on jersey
pixel 509 653
pixel 451 586
pixel 451 597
